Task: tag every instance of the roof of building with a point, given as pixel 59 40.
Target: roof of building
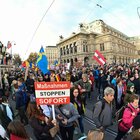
pixel 51 46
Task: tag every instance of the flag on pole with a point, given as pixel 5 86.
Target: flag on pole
pixel 57 77
pixel 9 45
pixel 25 64
pixel 99 58
pixel 55 62
pixel 42 61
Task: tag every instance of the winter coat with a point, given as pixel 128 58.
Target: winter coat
pixel 137 85
pixel 67 111
pixel 21 96
pixel 74 78
pixel 19 99
pixel 84 85
pixel 40 129
pixel 102 117
pixel 127 118
pixel 80 108
pixel 14 137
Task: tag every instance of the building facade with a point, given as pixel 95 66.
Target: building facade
pixel 136 41
pixel 79 48
pixel 51 53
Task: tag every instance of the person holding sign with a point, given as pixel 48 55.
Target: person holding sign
pixel 38 122
pixel 66 114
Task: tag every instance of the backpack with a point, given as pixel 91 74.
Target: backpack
pixel 120 112
pixel 102 108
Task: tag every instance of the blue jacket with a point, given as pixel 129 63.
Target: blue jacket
pixel 20 97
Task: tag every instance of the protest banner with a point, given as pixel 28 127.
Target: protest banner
pixel 52 93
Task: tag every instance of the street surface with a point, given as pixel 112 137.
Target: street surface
pixel 110 133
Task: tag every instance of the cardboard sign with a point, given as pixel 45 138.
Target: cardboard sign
pixel 52 92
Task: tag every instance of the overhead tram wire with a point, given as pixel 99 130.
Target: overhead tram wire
pixel 138 12
pixel 38 26
pixel 90 12
pixel 113 15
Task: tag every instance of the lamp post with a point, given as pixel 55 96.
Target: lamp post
pixel 11 51
pixel 3 54
pixel 1 58
pixel 1 47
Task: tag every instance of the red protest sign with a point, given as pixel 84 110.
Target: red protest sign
pixel 52 92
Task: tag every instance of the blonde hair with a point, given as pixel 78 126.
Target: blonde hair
pixel 95 135
pixel 136 134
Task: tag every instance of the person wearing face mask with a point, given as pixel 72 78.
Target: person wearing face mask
pixel 130 90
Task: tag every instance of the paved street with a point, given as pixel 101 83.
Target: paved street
pixel 88 123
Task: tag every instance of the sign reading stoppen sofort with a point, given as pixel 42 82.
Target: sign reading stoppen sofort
pixel 52 92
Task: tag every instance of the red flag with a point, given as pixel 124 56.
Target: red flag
pixel 23 64
pixel 9 45
pixel 99 58
pixel 57 77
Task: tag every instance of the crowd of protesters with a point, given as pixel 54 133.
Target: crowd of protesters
pixel 117 86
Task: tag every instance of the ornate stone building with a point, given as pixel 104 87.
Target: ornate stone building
pixel 136 41
pixel 97 35
pixel 51 53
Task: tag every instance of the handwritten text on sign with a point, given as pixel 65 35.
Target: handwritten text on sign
pixel 52 92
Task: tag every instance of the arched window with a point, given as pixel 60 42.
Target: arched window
pixel 71 48
pixel 75 47
pixel 64 50
pixel 67 49
pixel 61 52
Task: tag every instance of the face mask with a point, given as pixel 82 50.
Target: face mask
pixel 132 89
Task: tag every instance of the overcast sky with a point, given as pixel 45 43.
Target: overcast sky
pixel 20 18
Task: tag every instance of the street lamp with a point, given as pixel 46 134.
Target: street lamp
pixel 0 47
pixel 11 51
pixel 3 49
pixel 1 59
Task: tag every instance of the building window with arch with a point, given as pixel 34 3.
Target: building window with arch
pixel 71 48
pixel 67 49
pixel 75 47
pixel 61 52
pixel 102 47
pixel 84 44
pixel 64 50
pixel 86 48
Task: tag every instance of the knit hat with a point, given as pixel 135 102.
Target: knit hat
pixel 130 84
pixel 136 122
